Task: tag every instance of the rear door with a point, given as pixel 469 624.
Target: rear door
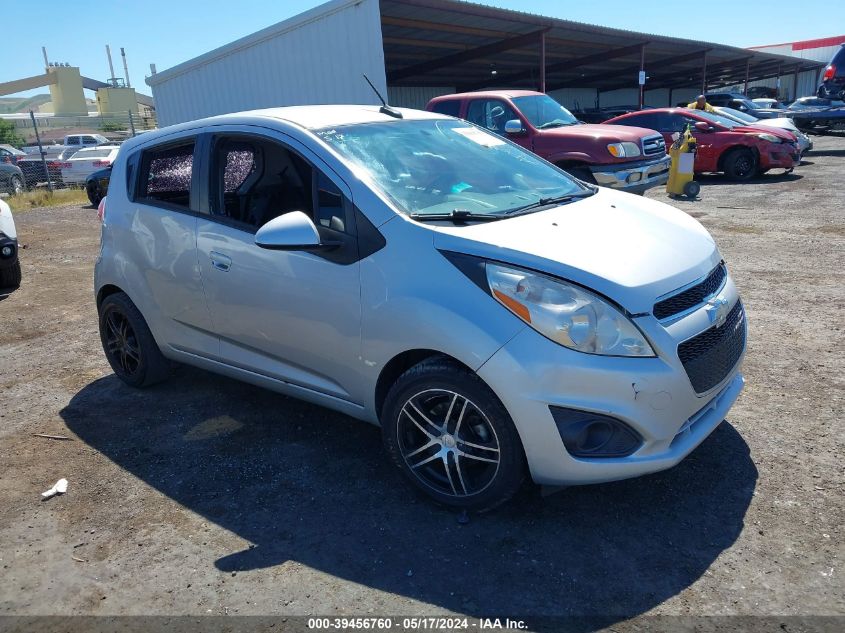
pixel 294 316
pixel 160 239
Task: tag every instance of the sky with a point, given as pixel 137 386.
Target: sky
pixel 168 32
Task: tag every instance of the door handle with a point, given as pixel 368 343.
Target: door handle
pixel 220 261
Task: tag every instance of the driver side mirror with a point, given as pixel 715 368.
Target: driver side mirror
pixel 703 126
pixel 514 126
pixel 292 231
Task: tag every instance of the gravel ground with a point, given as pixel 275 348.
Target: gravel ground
pixel 204 496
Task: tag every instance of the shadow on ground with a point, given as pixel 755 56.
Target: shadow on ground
pixel 776 176
pixel 306 484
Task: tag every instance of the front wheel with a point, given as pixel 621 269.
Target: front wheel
pixel 92 188
pixel 16 185
pixel 128 343
pixel 740 164
pixel 452 437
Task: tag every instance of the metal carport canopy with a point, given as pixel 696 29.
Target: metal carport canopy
pixel 460 44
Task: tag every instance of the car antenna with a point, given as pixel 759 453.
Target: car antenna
pixel 384 109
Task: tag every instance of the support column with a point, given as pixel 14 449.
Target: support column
pixel 704 75
pixel 642 70
pixel 747 69
pixel 543 62
pixel 795 83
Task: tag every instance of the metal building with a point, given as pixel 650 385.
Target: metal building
pixel 417 49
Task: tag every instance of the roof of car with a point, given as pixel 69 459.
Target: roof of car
pixel 312 117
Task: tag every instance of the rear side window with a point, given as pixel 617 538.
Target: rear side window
pixel 166 175
pixel 450 108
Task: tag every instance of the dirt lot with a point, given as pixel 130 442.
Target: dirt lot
pixel 203 496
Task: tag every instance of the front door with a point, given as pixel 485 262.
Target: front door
pixel 493 114
pixel 291 315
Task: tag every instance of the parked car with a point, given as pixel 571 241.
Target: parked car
pixel 769 103
pixel 11 179
pixel 9 154
pixel 630 160
pixel 10 267
pixel 832 85
pixel 34 170
pixel 805 143
pixel 762 92
pixel 80 141
pixel 814 103
pixel 738 151
pixel 420 273
pixel 86 161
pixel 97 185
pixel 739 101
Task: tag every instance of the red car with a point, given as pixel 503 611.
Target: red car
pixel 739 151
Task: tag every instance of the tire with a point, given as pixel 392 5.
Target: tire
pixel 581 173
pixel 10 278
pixel 16 185
pixel 692 189
pixel 458 445
pixel 128 344
pixel 92 188
pixel 740 164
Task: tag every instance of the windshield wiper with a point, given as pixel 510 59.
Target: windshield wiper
pixel 458 216
pixel 545 202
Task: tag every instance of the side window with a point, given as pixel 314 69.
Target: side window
pixel 450 108
pixel 166 175
pixel 87 140
pixel 649 121
pixel 491 113
pixel 73 140
pixel 255 180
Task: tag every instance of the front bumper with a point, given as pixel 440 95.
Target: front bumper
pixel 653 396
pixel 786 157
pixel 633 177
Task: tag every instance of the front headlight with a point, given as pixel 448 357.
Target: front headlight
pixel 566 313
pixel 624 150
pixel 770 137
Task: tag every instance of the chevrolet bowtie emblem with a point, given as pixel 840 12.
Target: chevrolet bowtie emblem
pixel 717 311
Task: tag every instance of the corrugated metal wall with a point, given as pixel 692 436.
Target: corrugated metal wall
pixel 415 96
pixel 575 98
pixel 808 82
pixel 316 57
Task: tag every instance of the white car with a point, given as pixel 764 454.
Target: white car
pixel 772 104
pixel 492 314
pixel 10 268
pixel 86 161
pixel 805 143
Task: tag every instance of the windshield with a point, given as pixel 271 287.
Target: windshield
pixel 737 115
pixel 437 166
pixel 718 119
pixel 544 112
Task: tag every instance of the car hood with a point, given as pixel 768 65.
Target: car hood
pixel 782 123
pixel 783 134
pixel 600 132
pixel 626 247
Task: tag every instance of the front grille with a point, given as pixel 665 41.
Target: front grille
pixel 691 297
pixel 710 356
pixel 653 145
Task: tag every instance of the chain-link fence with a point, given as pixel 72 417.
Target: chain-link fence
pixel 64 151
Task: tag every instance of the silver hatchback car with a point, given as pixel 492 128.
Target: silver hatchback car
pixel 491 314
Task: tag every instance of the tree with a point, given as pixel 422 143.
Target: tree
pixel 9 134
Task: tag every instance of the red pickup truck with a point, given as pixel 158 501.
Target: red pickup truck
pixel 626 158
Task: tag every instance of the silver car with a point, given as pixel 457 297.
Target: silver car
pixel 493 315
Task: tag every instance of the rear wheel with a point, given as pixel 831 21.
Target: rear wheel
pixel 128 343
pixel 740 164
pixel 452 437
